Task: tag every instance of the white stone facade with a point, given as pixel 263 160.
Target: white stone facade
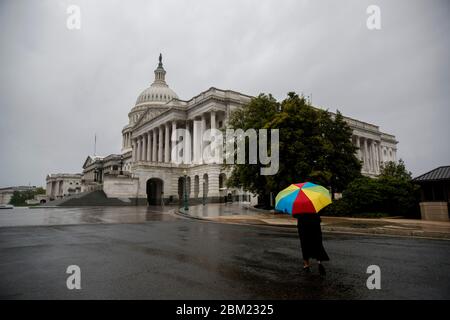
pixel 60 185
pixel 374 146
pixel 147 145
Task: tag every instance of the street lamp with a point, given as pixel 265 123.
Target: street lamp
pixel 186 207
pixel 121 165
pixel 204 193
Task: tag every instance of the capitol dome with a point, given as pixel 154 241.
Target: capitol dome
pixel 159 92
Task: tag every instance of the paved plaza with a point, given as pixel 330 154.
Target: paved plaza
pixel 151 253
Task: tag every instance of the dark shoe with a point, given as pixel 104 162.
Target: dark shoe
pixel 307 269
pixel 322 270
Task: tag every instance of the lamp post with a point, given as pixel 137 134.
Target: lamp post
pixel 186 207
pixel 121 165
pixel 204 194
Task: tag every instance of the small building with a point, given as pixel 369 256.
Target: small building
pixel 61 185
pixel 435 194
pixel 7 193
pixel 38 199
pixel 96 168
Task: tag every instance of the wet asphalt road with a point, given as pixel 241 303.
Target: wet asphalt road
pixel 167 257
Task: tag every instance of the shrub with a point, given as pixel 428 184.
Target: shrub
pixel 386 195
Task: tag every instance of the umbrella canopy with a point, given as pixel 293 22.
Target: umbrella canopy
pixel 304 197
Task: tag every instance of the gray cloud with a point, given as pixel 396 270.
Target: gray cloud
pixel 59 87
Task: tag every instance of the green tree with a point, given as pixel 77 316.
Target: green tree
pixel 398 170
pixel 313 146
pixel 19 198
pixel 255 115
pixel 339 159
pixel 391 193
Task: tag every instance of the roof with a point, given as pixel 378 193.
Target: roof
pixel 440 173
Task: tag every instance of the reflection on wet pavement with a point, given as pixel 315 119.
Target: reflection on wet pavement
pixel 83 215
pixel 213 210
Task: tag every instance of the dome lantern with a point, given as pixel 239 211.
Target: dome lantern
pixel 158 92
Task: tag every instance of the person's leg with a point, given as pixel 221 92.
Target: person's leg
pixel 306 266
pixel 306 263
pixel 321 268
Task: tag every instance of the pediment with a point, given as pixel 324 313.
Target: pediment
pixel 87 162
pixel 150 114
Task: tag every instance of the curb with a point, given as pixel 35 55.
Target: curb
pixel 331 229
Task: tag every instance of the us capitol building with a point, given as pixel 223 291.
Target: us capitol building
pixel 145 170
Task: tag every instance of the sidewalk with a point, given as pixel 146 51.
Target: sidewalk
pixel 241 214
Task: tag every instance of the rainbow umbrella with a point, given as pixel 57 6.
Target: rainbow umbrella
pixel 304 197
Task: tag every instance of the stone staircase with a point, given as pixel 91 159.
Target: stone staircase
pixel 91 198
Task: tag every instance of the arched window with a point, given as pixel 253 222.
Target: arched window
pixel 205 185
pixel 222 180
pixel 196 186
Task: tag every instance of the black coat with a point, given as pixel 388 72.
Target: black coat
pixel 310 234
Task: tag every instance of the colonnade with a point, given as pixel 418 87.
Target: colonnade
pixel 372 154
pixel 155 145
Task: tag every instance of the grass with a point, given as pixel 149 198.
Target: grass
pixel 373 215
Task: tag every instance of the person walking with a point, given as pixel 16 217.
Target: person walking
pixel 310 234
pixel 304 201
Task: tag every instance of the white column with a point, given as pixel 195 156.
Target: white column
pixel 375 162
pixel 187 144
pixel 154 146
pixel 213 119
pixel 377 157
pixel 202 132
pixel 160 147
pixel 372 155
pixel 366 157
pixel 167 143
pixel 144 147
pixel 174 152
pixel 138 156
pixel 358 145
pixel 149 147
pixel 133 151
pixel 196 142
pixel 374 158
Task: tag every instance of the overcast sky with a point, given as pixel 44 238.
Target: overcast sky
pixel 58 86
